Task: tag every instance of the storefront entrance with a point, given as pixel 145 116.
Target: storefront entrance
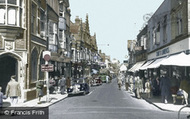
pixel 8 67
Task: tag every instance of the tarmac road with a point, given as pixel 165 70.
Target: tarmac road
pixel 107 102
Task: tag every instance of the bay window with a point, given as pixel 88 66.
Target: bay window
pixel 53 36
pixel 2 15
pixel 11 12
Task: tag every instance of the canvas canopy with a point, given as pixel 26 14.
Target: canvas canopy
pixel 177 60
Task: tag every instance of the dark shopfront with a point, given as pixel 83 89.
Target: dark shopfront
pixel 176 74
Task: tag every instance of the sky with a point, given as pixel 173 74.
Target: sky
pixel 114 21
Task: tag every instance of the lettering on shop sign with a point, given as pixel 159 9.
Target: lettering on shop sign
pixel 163 52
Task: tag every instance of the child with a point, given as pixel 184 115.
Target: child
pixel 1 98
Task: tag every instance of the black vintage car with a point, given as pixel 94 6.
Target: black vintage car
pixel 79 86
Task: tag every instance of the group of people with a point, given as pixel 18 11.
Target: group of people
pixel 56 85
pixel 157 86
pixel 151 86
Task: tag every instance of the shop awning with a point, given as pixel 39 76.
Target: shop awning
pixel 136 66
pixel 144 67
pixel 123 68
pixel 94 71
pixel 156 63
pixel 177 60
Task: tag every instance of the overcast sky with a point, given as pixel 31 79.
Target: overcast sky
pixel 114 21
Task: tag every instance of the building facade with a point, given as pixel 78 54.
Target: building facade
pixel 13 42
pixel 27 28
pixel 167 35
pixel 84 49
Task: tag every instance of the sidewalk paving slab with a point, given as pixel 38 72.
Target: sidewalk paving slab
pixel 34 103
pixel 156 101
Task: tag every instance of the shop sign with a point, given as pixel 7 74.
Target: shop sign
pixel 163 52
pixel 48 68
pixel 138 48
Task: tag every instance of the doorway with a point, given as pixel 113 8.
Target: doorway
pixel 8 67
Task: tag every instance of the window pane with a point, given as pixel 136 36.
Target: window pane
pixel 20 18
pixel 2 1
pixel 11 16
pixel 20 3
pixel 50 27
pixel 42 21
pixel 2 15
pixel 12 2
pixel 34 17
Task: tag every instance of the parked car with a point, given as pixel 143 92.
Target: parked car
pixel 96 81
pixel 79 87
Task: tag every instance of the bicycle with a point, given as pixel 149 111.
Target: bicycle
pixel 187 106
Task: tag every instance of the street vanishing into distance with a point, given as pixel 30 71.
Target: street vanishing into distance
pixel 107 102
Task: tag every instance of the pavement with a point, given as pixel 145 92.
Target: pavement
pixel 53 98
pixel 156 101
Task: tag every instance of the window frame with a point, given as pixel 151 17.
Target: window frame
pixel 18 6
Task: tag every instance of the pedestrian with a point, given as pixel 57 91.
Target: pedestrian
pixel 165 88
pixel 138 87
pixel 68 83
pixel 156 86
pixel 148 88
pixel 51 85
pixel 13 90
pixel 39 90
pixel 185 88
pixel 119 82
pixel 107 79
pixel 56 78
pixel 62 85
pixel 127 83
pixel 131 80
pixel 1 98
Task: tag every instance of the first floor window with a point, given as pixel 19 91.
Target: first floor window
pixel 11 12
pixel 2 15
pixel 12 16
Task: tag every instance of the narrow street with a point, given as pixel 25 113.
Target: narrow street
pixel 107 102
